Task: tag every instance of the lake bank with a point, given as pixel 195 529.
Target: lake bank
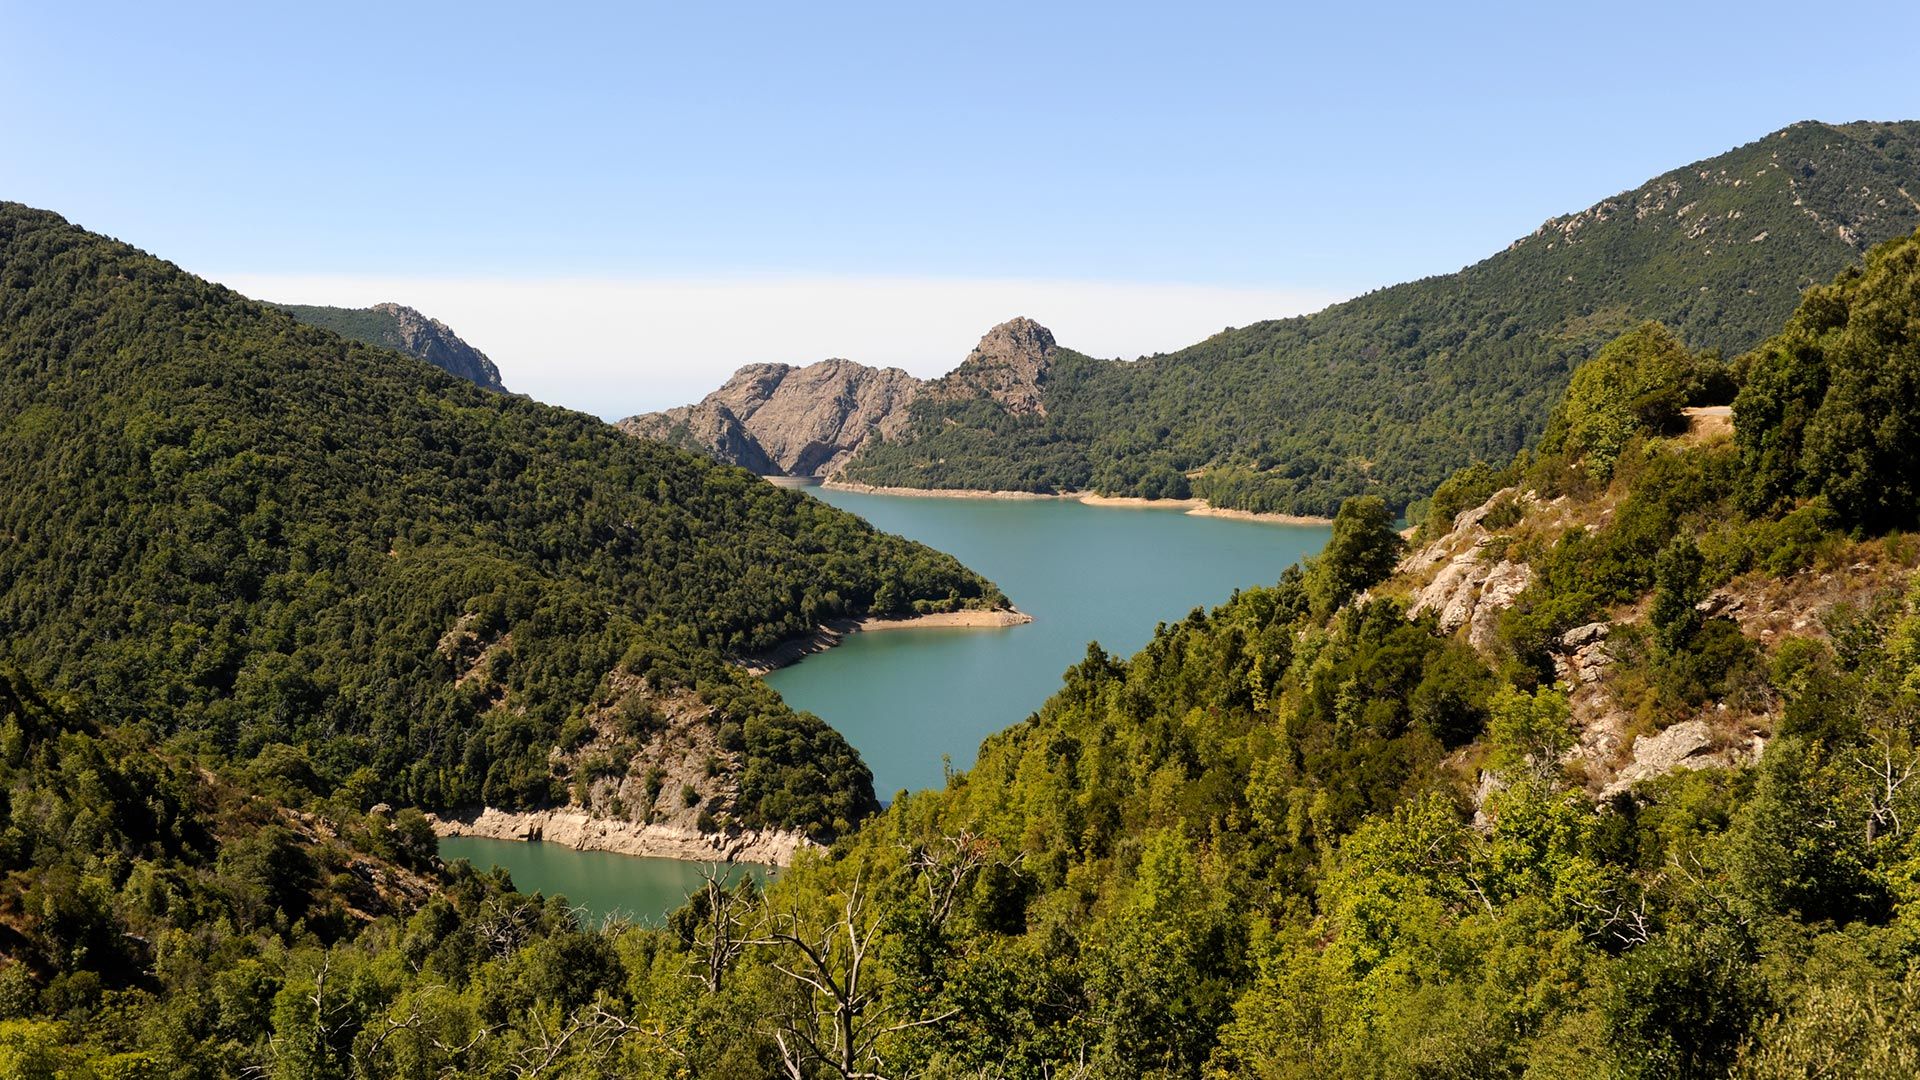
pixel 1195 507
pixel 830 634
pixel 573 828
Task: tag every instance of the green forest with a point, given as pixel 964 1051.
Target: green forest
pixel 254 538
pixel 1390 393
pixel 1298 835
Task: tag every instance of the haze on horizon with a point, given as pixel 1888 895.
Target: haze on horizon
pixel 622 204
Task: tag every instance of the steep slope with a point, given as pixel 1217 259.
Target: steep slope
pixel 777 420
pixel 1390 392
pixel 402 329
pixel 257 534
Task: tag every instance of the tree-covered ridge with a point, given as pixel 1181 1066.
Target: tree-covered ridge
pixel 402 329
pixel 219 521
pixel 1391 392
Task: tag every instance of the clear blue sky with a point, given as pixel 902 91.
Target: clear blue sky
pixel 1333 147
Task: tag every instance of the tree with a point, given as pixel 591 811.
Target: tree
pixel 1676 592
pixel 1362 552
pixel 1831 406
pixel 1637 384
pixel 1531 733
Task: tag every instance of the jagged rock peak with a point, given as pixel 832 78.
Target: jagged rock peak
pixel 1009 365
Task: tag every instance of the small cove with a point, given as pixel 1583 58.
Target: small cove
pixel 601 883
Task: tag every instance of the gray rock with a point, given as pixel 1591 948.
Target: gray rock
pixel 778 420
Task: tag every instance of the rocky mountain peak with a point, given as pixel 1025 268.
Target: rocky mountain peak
pixel 1009 365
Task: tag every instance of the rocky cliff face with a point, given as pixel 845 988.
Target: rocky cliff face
pixel 1009 365
pixel 788 421
pixel 403 329
pixel 779 420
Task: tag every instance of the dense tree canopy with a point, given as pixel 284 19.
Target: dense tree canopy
pixel 222 522
pixel 1831 407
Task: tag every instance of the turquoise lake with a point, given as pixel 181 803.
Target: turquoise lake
pixel 601 882
pixel 1085 573
pixel 914 702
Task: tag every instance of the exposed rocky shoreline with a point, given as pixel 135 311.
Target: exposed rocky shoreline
pixel 581 831
pixel 1195 507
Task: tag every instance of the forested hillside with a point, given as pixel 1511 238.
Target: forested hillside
pixel 258 538
pixel 1389 393
pixel 1632 800
pixel 1324 830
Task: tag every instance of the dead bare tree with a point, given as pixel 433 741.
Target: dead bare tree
pixel 1888 776
pixel 729 926
pixel 1627 921
pixel 838 1011
pixel 590 1036
pixel 502 927
pixel 945 867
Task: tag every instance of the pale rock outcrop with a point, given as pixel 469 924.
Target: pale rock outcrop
pixel 777 420
pixel 1474 584
pixel 1502 586
pixel 1472 592
pixel 1689 744
pixel 574 827
pixel 1009 365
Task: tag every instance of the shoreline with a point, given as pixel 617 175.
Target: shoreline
pixel 1193 507
pixel 574 828
pixel 827 635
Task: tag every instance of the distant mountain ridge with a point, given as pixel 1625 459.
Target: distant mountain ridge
pixel 779 420
pixel 1392 391
pixel 403 329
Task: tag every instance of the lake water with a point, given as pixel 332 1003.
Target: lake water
pixel 909 699
pixel 601 882
pixel 1085 573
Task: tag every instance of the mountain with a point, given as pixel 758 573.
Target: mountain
pixel 402 329
pixel 777 420
pixel 1390 392
pixel 261 538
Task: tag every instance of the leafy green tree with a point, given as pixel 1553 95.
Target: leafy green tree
pixel 1531 733
pixel 1677 590
pixel 1361 552
pixel 1831 406
pixel 1636 385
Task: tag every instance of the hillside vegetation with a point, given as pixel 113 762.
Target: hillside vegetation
pixel 1323 830
pixel 1391 392
pixel 257 537
pixel 1305 834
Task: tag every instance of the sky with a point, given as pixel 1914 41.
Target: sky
pixel 622 203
